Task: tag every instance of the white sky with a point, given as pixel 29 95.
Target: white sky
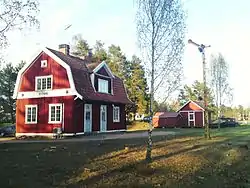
pixel 226 28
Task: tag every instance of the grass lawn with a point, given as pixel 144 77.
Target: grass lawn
pixel 185 161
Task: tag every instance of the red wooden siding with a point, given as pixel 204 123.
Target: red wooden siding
pixel 78 116
pixel 96 117
pixel 199 119
pixel 116 125
pixel 166 122
pixel 103 71
pixel 191 106
pixel 184 121
pixel 60 78
pixel 42 125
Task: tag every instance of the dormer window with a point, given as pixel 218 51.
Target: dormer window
pixel 44 63
pixel 43 83
pixel 103 85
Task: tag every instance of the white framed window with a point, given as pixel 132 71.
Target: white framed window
pixel 191 116
pixel 44 82
pixel 31 114
pixel 116 114
pixel 44 63
pixel 103 85
pixel 55 113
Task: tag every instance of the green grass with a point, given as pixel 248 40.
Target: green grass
pixel 185 161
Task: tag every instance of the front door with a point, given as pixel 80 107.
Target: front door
pixel 87 117
pixel 103 118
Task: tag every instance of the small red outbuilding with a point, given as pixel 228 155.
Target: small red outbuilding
pixel 166 119
pixel 192 114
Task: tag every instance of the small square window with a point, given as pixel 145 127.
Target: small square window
pixel 44 63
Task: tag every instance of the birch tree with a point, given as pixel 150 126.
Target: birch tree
pixel 161 30
pixel 17 14
pixel 220 84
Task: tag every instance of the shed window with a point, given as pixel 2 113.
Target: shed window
pixel 116 114
pixel 30 114
pixel 191 116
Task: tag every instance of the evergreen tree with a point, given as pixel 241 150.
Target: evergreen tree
pixel 8 75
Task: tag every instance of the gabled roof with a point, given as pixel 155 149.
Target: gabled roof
pixel 79 77
pixel 190 101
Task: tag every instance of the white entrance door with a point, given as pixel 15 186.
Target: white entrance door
pixel 103 118
pixel 87 117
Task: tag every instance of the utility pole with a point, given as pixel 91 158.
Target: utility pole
pixel 201 48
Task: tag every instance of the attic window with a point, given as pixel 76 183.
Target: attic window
pixel 103 85
pixel 44 63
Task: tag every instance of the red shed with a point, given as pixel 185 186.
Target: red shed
pixel 193 114
pixel 166 119
pixel 57 89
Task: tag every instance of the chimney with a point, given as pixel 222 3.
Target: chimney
pixel 64 48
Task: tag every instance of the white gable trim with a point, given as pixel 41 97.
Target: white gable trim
pixel 58 60
pixel 193 103
pixel 104 64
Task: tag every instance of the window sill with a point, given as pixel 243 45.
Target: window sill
pixel 54 122
pixel 30 123
pixel 116 121
pixel 104 93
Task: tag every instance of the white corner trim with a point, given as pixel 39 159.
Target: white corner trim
pixel 92 78
pixel 103 64
pixel 58 60
pixel 46 93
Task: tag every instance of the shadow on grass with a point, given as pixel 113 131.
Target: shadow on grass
pixel 96 164
pixel 141 172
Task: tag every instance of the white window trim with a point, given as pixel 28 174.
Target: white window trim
pixel 44 63
pixel 41 77
pixel 103 81
pixel 114 108
pixel 26 113
pixel 61 112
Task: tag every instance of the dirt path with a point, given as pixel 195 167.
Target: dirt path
pixel 127 135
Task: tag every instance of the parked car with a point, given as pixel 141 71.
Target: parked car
pixel 8 130
pixel 147 119
pixel 224 122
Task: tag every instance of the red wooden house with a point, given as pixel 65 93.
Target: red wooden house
pixel 192 115
pixel 57 89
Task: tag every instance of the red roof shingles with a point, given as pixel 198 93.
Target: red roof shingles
pixel 81 72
